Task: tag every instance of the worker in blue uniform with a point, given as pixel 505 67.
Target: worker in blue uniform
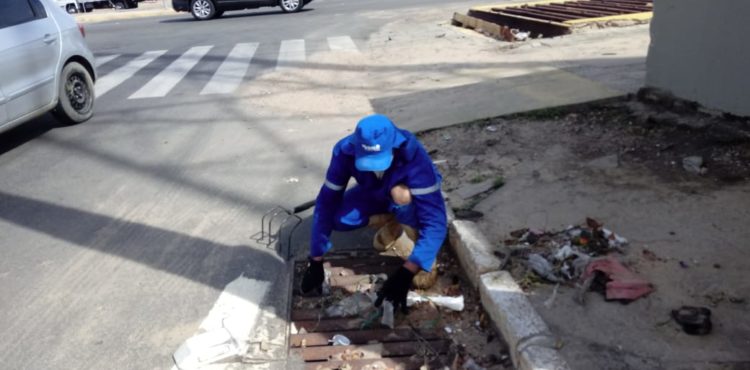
pixel 394 175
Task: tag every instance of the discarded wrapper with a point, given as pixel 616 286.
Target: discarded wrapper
pixel 387 318
pixel 340 340
pixel 623 283
pixel 350 306
pixel 451 303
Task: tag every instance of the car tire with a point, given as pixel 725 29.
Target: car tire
pixel 121 5
pixel 76 95
pixel 291 6
pixel 71 9
pixel 202 9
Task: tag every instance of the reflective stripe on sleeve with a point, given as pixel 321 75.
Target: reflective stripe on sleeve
pixel 333 186
pixel 424 191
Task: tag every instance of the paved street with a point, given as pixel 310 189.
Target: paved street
pixel 119 234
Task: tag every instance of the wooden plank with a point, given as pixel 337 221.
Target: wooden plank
pixel 470 22
pixel 348 280
pixel 313 326
pixel 391 363
pixel 370 351
pixel 526 19
pixel 363 337
pixel 360 270
pixel 641 17
pixel 354 262
pixel 311 315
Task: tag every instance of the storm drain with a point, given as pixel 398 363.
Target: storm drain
pixel 551 18
pixel 357 340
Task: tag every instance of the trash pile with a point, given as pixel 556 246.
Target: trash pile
pixel 580 253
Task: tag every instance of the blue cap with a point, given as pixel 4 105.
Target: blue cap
pixel 374 139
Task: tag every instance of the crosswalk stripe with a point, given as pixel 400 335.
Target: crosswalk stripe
pixel 167 79
pixel 342 43
pixel 118 76
pixel 232 71
pixel 291 52
pixel 100 61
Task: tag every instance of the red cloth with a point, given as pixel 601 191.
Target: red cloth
pixel 623 284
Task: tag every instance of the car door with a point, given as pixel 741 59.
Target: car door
pixel 3 115
pixel 29 56
pixel 239 4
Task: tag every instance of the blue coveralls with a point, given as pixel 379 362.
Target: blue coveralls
pixel 340 210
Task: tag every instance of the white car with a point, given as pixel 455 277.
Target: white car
pixel 45 64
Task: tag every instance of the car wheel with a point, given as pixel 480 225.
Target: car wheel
pixel 202 9
pixel 120 5
pixel 291 6
pixel 71 8
pixel 76 96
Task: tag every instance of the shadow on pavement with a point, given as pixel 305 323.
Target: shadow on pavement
pixel 162 249
pixel 26 132
pixel 234 14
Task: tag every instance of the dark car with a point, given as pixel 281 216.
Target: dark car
pixel 207 9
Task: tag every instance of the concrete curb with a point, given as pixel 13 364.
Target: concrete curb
pixel 124 15
pixel 532 346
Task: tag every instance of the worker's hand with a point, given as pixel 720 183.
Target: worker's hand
pixel 313 278
pixel 396 288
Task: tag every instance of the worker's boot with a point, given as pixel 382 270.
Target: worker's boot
pixel 395 239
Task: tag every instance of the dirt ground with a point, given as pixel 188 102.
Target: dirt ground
pixel 621 163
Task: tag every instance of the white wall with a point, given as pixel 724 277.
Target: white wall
pixel 700 51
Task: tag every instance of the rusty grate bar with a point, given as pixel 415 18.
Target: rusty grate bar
pixel 570 10
pixel 392 363
pixel 574 10
pixel 372 346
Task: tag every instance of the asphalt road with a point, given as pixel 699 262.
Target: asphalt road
pixel 118 235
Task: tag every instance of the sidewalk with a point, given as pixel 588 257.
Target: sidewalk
pixel 427 74
pixel 432 74
pixel 154 8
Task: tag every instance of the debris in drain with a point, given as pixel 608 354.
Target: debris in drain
pixel 387 318
pixel 340 340
pixel 451 303
pixel 449 312
pixel 354 304
pixel 694 320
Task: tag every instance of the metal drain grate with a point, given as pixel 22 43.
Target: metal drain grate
pixel 552 18
pixel 577 10
pixel 373 346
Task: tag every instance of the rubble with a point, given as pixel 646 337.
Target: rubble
pixel 559 256
pixel 471 190
pixel 694 164
pixel 694 320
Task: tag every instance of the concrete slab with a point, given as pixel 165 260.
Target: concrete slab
pixel 474 251
pixel 532 344
pixel 430 109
